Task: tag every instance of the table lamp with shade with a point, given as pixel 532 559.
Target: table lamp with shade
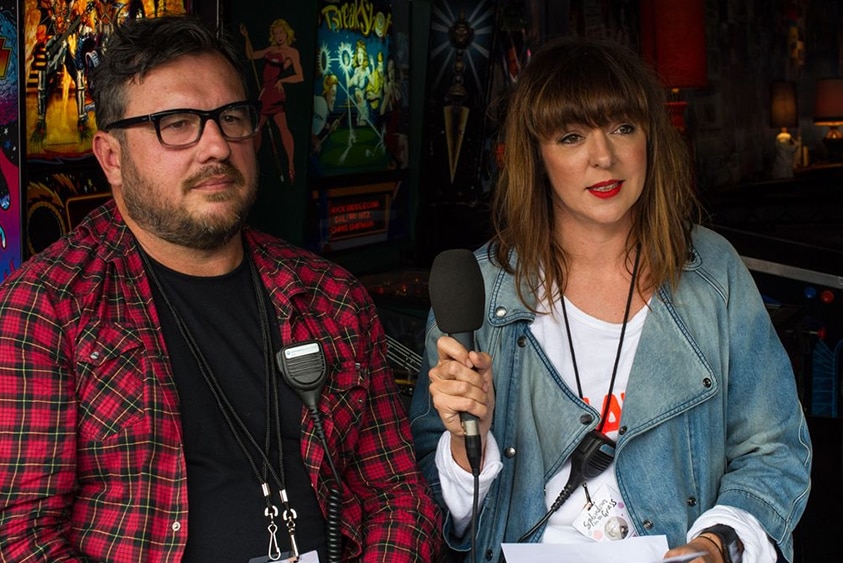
pixel 673 43
pixel 783 114
pixel 828 112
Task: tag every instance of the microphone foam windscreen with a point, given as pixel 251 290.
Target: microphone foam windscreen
pixel 457 294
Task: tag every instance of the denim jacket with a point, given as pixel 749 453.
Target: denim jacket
pixel 710 416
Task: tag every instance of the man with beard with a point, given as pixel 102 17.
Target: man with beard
pixel 153 403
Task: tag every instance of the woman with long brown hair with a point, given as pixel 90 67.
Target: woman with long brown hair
pixel 629 380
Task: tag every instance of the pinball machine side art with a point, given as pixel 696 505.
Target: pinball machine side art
pixel 10 185
pixel 57 199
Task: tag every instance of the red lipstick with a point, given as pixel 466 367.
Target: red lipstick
pixel 607 189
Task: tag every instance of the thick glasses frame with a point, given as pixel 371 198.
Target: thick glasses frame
pixel 204 116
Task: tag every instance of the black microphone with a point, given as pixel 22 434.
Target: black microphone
pixel 457 297
pixel 303 367
pixel 305 370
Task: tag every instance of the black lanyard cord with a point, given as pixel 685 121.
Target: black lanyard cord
pixel 605 412
pixel 232 419
pixel 269 369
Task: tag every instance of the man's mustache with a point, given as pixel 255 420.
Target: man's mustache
pixel 223 169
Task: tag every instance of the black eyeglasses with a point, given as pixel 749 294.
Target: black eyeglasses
pixel 181 128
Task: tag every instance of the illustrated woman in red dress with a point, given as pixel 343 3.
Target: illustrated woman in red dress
pixel 282 65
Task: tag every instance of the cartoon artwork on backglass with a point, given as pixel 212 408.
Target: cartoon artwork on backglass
pixel 281 68
pixel 360 97
pixel 64 40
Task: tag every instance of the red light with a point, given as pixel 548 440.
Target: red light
pixel 827 296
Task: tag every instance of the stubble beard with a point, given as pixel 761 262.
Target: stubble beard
pixel 178 225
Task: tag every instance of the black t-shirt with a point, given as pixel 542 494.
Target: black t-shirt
pixel 226 519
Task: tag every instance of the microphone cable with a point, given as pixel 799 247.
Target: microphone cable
pixel 333 537
pixel 474 454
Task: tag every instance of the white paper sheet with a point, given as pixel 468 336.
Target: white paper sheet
pixel 642 549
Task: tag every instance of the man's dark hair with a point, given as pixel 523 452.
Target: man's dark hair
pixel 140 45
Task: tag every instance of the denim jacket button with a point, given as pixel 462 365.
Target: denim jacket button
pixel 586 418
pixel 622 430
pixel 648 525
pixel 509 452
pixel 500 312
pixel 692 501
pixel 522 341
pixel 706 382
pixel 489 554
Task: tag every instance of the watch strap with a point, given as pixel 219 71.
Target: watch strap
pixel 729 543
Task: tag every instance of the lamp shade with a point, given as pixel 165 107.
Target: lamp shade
pixel 783 104
pixel 673 41
pixel 828 104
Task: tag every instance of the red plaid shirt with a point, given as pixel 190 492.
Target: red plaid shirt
pixel 91 462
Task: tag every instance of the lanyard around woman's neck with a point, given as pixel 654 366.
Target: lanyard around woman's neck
pixel 241 433
pixel 604 415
